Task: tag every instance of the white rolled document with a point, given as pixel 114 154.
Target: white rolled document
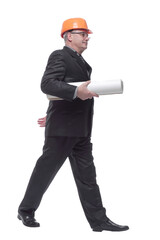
pixel 100 87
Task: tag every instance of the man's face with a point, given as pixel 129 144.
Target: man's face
pixel 79 40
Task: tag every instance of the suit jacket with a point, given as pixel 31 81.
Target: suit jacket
pixel 69 117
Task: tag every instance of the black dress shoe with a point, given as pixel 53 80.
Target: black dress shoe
pixel 28 220
pixel 108 225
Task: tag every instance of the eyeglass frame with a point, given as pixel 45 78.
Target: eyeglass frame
pixel 86 34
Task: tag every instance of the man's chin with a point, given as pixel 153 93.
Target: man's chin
pixel 85 46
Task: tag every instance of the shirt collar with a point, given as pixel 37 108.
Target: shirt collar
pixel 73 50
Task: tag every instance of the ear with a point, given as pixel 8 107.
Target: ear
pixel 69 36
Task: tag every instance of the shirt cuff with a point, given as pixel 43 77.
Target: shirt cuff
pixel 75 93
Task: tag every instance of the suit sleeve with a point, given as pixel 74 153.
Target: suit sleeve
pixel 53 79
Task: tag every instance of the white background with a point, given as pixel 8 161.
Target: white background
pixel 126 131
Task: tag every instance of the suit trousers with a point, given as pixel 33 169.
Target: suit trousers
pixel 55 152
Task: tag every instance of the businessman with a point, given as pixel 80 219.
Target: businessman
pixel 68 131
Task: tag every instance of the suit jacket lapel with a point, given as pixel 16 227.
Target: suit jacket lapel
pixel 84 65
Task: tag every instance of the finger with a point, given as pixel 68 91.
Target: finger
pixel 94 94
pixel 40 122
pixel 41 118
pixel 42 125
pixel 86 83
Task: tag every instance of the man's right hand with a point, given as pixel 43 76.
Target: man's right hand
pixel 83 93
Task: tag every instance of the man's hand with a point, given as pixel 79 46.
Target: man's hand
pixel 42 122
pixel 83 93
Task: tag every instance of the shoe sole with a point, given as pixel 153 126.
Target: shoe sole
pixel 99 229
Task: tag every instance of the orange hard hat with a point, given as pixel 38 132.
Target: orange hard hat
pixel 74 24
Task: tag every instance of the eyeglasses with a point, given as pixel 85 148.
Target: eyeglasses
pixel 83 34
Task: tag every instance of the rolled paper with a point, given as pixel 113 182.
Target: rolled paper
pixel 100 87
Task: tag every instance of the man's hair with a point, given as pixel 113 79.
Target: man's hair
pixel 65 36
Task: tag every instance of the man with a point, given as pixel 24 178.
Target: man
pixel 68 131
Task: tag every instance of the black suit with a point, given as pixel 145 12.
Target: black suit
pixel 67 118
pixel 67 134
